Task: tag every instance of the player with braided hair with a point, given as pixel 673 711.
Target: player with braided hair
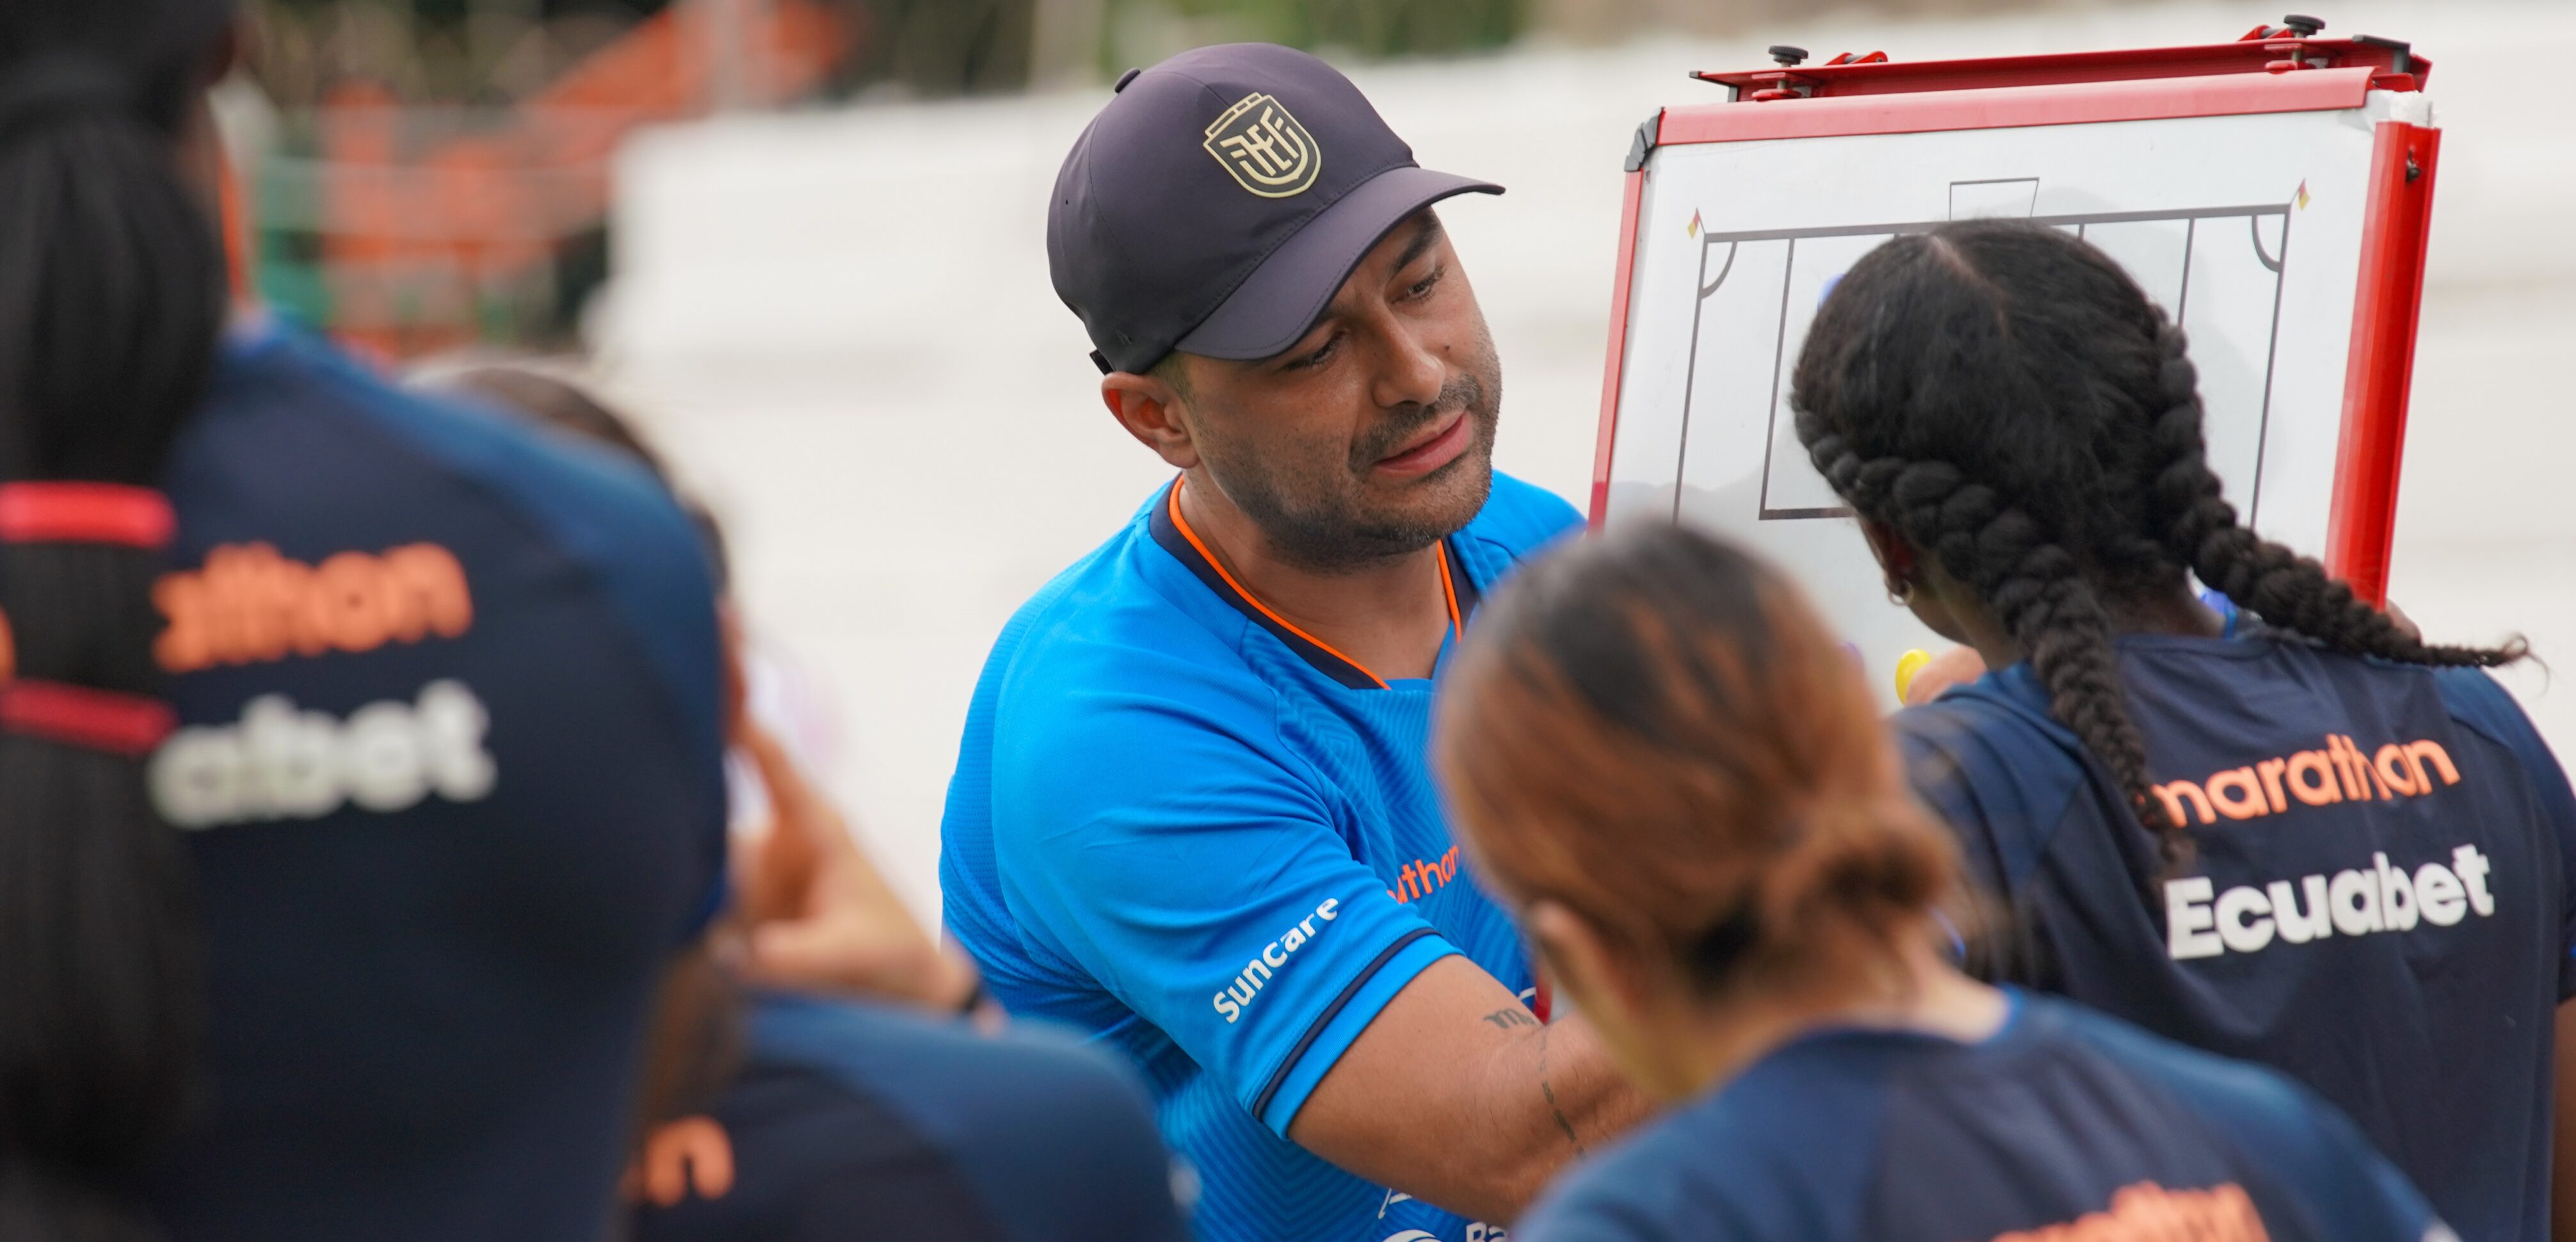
pixel 2311 839
pixel 360 764
pixel 1663 762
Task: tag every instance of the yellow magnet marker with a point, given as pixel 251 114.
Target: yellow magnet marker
pixel 1907 666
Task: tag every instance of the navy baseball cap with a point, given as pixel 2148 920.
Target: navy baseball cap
pixel 1220 199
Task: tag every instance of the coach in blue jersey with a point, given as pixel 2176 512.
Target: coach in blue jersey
pixel 2305 837
pixel 1190 814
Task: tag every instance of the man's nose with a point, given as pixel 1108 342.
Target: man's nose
pixel 1412 373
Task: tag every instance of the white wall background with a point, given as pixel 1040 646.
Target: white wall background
pixel 840 323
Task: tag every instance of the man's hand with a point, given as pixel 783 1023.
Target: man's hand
pixel 1956 666
pixel 815 913
pixel 1456 1095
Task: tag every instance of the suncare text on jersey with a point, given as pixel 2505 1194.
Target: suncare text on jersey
pixel 1273 956
pixel 2341 772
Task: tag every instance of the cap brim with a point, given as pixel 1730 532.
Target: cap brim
pixel 1286 294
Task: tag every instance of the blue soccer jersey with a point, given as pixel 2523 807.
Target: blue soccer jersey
pixel 2380 899
pixel 1186 828
pixel 449 767
pixel 859 1121
pixel 2063 1126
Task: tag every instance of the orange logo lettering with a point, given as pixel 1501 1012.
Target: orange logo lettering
pixel 249 605
pixel 2147 1212
pixel 1423 877
pixel 2341 772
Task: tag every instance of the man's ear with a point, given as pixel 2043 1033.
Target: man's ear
pixel 1153 412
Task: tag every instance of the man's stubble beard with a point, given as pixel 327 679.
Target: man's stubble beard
pixel 1333 534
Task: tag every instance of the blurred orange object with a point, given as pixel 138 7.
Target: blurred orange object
pixel 419 232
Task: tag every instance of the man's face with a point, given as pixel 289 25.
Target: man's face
pixel 1374 435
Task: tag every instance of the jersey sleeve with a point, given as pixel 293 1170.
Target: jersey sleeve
pixel 2476 700
pixel 1164 840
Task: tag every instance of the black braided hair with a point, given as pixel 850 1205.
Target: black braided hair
pixel 112 298
pixel 2009 401
pixel 2287 590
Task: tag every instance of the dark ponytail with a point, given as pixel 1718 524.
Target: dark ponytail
pixel 1657 731
pixel 112 296
pixel 2006 398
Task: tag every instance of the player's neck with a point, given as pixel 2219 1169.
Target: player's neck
pixel 1389 616
pixel 1918 991
pixel 2177 612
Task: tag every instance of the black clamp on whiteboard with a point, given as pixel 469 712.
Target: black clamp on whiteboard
pixel 1643 144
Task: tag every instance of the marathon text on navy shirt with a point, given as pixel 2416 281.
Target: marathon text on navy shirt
pixel 2369 897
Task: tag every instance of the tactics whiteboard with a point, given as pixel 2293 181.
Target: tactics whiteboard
pixel 2253 206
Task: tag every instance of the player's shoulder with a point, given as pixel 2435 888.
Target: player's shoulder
pixel 2480 704
pixel 1991 760
pixel 298 446
pixel 1520 517
pixel 2003 714
pixel 1784 1153
pixel 285 405
pixel 1049 1129
pixel 2259 1108
pixel 2279 1129
pixel 1124 641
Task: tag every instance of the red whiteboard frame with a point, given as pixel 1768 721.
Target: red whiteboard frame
pixel 2160 83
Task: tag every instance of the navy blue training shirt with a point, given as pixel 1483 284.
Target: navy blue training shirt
pixel 858 1121
pixel 2063 1126
pixel 2380 901
pixel 450 770
pixel 1188 829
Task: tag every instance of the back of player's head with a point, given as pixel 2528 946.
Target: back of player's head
pixel 112 297
pixel 2006 399
pixel 551 400
pixel 1658 733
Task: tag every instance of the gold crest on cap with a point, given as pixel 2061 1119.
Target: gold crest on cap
pixel 1264 147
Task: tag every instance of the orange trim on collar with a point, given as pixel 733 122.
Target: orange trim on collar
pixel 1183 525
pixel 1448 590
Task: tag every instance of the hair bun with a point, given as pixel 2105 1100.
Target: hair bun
pixel 1864 866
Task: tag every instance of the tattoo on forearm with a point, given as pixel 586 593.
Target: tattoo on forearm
pixel 1550 1092
pixel 1506 1019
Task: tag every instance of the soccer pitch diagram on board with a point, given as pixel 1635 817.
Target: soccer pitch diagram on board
pixel 2245 228
pixel 1771 283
